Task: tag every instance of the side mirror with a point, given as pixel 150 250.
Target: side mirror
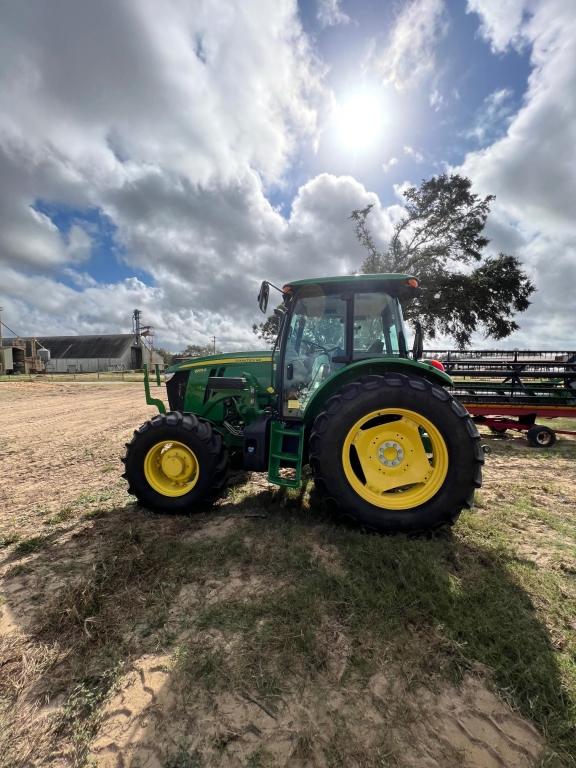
pixel 263 295
pixel 418 346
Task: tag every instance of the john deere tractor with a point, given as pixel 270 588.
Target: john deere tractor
pixel 340 392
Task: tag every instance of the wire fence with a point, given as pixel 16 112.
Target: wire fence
pixel 110 376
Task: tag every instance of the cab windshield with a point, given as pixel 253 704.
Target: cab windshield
pixel 319 341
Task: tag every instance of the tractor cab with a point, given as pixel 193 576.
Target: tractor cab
pixel 333 322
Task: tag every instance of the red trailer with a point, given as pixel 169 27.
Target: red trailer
pixel 510 390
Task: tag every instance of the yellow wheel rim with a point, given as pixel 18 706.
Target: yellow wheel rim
pixel 171 468
pixel 395 458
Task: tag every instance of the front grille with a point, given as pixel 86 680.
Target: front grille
pixel 176 389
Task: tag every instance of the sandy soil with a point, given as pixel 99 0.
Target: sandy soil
pixel 61 446
pixel 151 715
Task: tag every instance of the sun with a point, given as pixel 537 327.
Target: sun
pixel 360 121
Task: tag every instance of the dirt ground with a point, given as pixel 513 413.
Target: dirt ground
pixel 66 522
pixel 61 444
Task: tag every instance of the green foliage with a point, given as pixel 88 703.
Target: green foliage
pixel 80 713
pixel 441 240
pixel 197 350
pixel 268 330
pixel 185 757
pixel 165 355
pixel 27 546
pixel 192 350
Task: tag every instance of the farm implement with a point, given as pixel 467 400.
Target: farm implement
pixel 510 390
pixel 340 392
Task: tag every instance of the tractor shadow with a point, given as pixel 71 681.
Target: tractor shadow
pixel 129 592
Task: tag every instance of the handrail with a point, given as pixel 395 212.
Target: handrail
pixel 149 399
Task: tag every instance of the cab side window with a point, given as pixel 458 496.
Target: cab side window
pixel 375 325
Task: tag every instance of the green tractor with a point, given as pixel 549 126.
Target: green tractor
pixel 340 392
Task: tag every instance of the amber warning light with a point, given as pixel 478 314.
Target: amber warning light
pixel 412 282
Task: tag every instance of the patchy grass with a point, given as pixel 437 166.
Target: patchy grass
pixel 63 516
pixel 441 605
pixel 27 546
pixel 567 424
pixel 266 597
pixel 185 757
pixel 79 717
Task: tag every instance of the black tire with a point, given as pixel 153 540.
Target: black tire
pixel 541 437
pixel 371 393
pixel 199 436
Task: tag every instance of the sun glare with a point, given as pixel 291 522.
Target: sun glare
pixel 360 121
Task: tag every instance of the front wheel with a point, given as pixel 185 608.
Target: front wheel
pixel 174 462
pixel 397 453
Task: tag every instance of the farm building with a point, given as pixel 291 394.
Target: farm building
pixel 89 354
pixel 21 356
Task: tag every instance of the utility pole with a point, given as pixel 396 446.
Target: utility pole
pixel 214 340
pixel 1 308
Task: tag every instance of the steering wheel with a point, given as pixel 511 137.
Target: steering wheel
pixel 325 350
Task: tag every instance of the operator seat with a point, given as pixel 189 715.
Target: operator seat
pixel 320 370
pixel 376 348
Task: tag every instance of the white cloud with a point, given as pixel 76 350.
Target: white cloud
pixel 417 156
pixel 410 55
pixel 493 117
pixel 400 189
pixel 532 169
pixel 192 300
pixel 330 13
pixel 389 164
pixel 170 130
pixel 176 131
pixel 502 21
pixel 437 100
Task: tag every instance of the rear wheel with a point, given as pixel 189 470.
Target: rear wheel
pixel 541 437
pixel 396 453
pixel 174 461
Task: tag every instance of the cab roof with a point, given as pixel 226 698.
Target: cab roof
pixel 352 281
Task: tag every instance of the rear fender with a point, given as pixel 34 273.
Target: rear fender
pixel 378 366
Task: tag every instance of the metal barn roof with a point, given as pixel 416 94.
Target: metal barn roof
pixel 105 346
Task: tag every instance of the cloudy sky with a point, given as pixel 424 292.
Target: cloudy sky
pixel 170 154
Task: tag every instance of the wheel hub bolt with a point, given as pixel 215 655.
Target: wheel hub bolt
pixel 390 453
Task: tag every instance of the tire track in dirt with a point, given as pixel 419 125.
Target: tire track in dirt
pixel 146 721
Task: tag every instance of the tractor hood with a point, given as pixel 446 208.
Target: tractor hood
pixel 226 359
pixel 186 380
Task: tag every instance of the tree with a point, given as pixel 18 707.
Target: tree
pixel 197 350
pixel 268 330
pixel 165 355
pixel 441 241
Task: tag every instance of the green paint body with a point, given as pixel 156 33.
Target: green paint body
pixel 231 411
pixel 258 369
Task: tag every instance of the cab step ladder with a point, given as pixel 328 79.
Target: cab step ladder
pixel 286 448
